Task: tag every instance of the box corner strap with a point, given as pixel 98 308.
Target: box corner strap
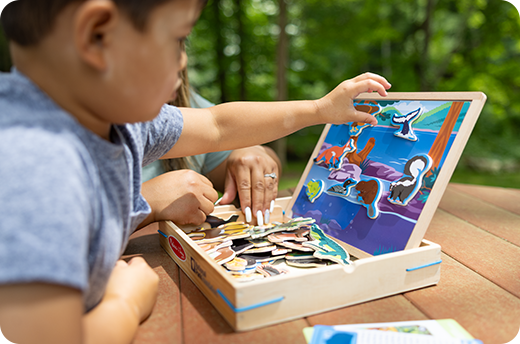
pixel 247 308
pixel 424 266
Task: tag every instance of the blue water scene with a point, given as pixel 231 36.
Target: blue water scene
pixel 343 211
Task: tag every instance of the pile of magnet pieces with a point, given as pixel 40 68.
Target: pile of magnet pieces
pixel 250 253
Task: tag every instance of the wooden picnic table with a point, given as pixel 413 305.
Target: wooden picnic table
pixel 478 228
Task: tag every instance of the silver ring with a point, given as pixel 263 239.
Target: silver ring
pixel 272 175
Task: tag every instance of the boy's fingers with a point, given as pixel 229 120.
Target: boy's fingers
pixel 137 260
pixel 121 263
pixel 375 77
pixel 370 85
pixel 365 118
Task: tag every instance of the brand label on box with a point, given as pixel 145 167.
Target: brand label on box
pixel 177 248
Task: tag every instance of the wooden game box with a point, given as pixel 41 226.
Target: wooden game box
pixel 418 141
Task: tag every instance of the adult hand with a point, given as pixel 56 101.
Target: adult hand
pixel 337 107
pixel 183 196
pixel 253 172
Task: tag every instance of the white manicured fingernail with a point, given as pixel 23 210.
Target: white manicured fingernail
pixel 218 201
pixel 267 216
pixel 259 218
pixel 271 209
pixel 249 216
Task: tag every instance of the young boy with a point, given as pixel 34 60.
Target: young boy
pixel 78 119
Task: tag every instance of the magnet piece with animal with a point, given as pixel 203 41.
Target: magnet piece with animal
pixel 369 194
pixel 345 188
pixel 326 248
pixel 404 190
pixel 405 123
pixel 314 189
pixel 333 156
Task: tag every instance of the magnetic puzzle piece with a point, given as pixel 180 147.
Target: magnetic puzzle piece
pixel 307 262
pixel 215 221
pixel 261 249
pixel 333 156
pixel 295 246
pixel 368 106
pixel 270 270
pixel 404 190
pixel 344 188
pixel 247 265
pixel 260 242
pixel 405 123
pixel 293 224
pixel 326 248
pixel 247 277
pixel 297 235
pixel 296 223
pixel 262 231
pixel 369 194
pixel 356 128
pixel 234 230
pixel 212 247
pixel 223 255
pixel 262 257
pixel 280 251
pixel 314 189
pixel 241 245
pixel 236 264
pixel 299 255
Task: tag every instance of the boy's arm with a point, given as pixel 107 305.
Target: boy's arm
pixel 241 124
pixel 46 313
pixel 182 196
pixel 41 313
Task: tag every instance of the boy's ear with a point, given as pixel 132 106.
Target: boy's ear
pixel 93 28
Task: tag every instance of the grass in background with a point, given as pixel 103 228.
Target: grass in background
pixel 294 169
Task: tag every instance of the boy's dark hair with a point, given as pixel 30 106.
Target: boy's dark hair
pixel 26 22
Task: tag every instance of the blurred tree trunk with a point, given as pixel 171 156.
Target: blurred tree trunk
pixel 424 60
pixel 282 57
pixel 220 45
pixel 241 56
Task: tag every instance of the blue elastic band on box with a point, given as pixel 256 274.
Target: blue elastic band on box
pixel 243 309
pixel 164 235
pixel 424 266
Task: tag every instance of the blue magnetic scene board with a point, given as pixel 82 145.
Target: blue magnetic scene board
pixel 377 188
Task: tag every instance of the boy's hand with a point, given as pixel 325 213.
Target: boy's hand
pixel 337 107
pixel 135 284
pixel 183 196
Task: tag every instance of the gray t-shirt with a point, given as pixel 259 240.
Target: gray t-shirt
pixel 201 163
pixel 69 199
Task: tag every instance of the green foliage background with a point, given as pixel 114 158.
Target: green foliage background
pixel 418 45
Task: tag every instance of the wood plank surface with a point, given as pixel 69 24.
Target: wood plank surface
pixel 490 256
pixel 508 199
pixel 482 214
pixel 478 229
pixel 485 310
pixel 163 326
pixel 203 324
pixel 392 308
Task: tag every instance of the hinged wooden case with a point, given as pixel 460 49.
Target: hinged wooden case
pixel 376 274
